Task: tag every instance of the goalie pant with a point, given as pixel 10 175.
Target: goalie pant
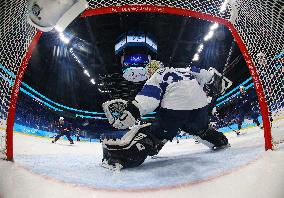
pixel 195 122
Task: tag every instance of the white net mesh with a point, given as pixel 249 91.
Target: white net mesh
pixel 259 24
pixel 15 36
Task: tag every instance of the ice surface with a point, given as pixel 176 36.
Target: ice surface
pixel 182 170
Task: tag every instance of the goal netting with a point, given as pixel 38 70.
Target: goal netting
pixel 256 25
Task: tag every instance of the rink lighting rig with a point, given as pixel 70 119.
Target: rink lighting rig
pixel 89 113
pixel 210 33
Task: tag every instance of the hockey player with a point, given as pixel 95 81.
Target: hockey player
pixel 64 129
pixel 182 103
pixel 245 108
pixel 77 134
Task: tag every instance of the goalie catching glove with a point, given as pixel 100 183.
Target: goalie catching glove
pixel 121 114
pixel 132 149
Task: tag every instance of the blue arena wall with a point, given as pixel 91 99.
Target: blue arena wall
pixel 40 133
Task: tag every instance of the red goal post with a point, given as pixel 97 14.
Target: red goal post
pixel 255 33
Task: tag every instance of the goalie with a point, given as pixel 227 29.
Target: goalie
pixel 182 103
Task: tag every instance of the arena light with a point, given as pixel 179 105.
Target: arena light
pixel 200 48
pixel 214 26
pixel 209 35
pixel 93 81
pixel 87 73
pixel 195 57
pixel 102 91
pixel 74 56
pixel 63 38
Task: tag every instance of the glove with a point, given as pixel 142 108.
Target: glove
pixel 125 121
pixel 114 109
pixel 120 114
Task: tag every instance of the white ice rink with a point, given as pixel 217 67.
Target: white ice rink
pixel 42 169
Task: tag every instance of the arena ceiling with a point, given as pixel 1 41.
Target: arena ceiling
pixel 60 75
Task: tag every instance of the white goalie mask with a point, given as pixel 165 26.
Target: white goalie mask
pixel 46 15
pixel 153 66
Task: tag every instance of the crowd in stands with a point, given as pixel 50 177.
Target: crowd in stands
pixel 229 112
pixel 31 113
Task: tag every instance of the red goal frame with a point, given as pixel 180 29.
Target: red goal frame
pixel 155 9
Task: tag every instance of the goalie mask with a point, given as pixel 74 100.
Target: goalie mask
pixel 153 66
pixel 46 15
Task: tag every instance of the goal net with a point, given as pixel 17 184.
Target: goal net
pixel 257 27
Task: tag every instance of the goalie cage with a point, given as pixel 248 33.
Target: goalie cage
pixel 258 36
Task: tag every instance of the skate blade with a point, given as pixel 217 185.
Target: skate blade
pixel 116 167
pixel 221 147
pixel 158 157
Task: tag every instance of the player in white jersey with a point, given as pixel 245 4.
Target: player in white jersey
pixel 181 104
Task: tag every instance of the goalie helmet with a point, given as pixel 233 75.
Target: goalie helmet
pixel 153 66
pixel 46 15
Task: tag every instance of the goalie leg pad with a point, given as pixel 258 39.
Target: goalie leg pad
pixel 132 149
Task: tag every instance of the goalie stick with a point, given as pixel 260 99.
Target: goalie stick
pixel 222 77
